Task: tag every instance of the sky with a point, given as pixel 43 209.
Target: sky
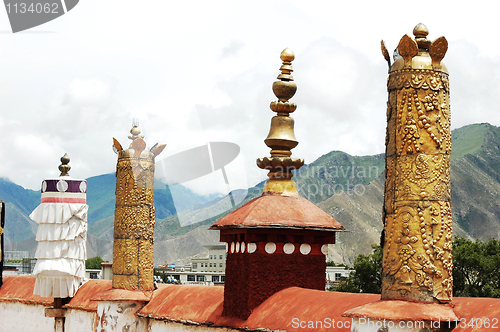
pixel 194 72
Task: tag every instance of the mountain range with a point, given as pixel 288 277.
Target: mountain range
pixel 349 188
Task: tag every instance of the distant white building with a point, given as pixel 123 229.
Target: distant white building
pixel 336 274
pixel 15 255
pixel 93 274
pixel 207 270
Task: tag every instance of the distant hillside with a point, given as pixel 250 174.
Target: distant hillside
pixel 19 203
pixel 475 185
pixel 337 172
pixel 349 188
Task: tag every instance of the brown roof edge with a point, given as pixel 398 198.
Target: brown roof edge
pixel 396 310
pixel 339 229
pixel 116 294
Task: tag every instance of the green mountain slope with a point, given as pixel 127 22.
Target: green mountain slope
pixel 468 139
pixel 101 198
pixel 19 203
pixel 476 184
pixel 337 172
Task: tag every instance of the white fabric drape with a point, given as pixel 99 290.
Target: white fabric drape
pixel 61 251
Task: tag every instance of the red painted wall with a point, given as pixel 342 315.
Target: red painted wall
pixel 252 278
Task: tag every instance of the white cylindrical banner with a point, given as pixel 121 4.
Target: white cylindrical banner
pixel 61 236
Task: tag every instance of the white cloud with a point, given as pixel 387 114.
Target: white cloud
pixel 196 71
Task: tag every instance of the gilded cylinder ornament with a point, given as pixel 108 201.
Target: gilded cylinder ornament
pixel 133 254
pixel 417 237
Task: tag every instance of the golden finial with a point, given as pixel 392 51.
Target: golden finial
pixel 420 32
pixel 281 138
pixel 420 52
pixel 138 143
pixel 64 167
pixel 135 131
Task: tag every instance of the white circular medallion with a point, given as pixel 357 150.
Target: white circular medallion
pixel 324 249
pixel 305 248
pixel 242 247
pixel 252 247
pixel 289 248
pixel 44 186
pixel 232 247
pixel 62 186
pixel 270 247
pixel 237 247
pixel 227 247
pixel 83 186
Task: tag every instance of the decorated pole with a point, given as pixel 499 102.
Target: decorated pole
pixel 133 253
pixel 417 261
pixel 417 281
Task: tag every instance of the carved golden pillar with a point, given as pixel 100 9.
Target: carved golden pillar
pixel 417 239
pixel 134 214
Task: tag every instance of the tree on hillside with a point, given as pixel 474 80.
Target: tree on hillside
pixel 94 263
pixel 476 267
pixel 366 277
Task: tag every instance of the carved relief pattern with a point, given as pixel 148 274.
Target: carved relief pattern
pixel 417 259
pixel 423 117
pixel 419 79
pixel 134 224
pixel 423 176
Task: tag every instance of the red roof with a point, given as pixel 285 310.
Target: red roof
pixel 276 211
pixel 194 303
pixel 20 289
pixel 478 309
pixel 291 309
pixel 298 306
pixel 83 298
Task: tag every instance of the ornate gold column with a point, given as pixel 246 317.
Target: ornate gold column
pixel 417 237
pixel 134 214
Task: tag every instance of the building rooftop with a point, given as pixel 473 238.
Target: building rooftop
pixel 202 305
pixel 277 211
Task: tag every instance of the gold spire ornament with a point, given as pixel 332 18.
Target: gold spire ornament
pixel 64 167
pixel 134 214
pixel 417 237
pixel 281 138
